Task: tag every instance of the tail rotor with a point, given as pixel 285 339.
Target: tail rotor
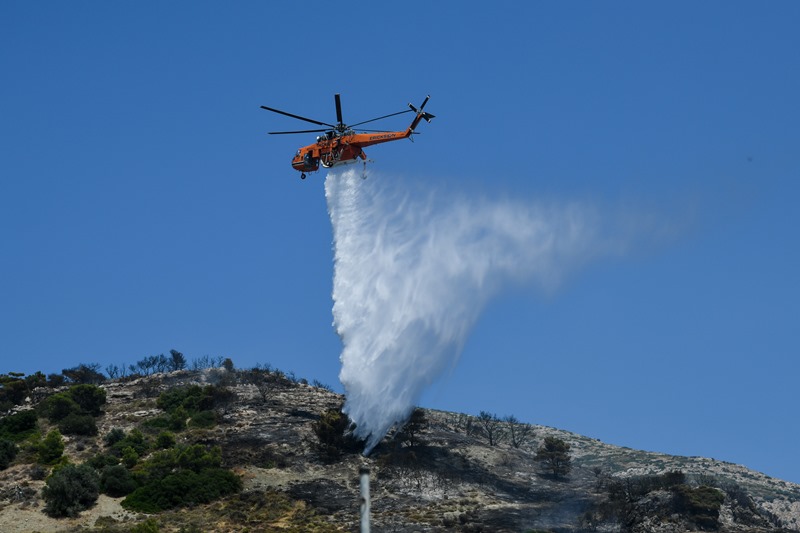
pixel 427 116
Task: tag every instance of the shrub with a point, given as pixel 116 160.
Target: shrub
pixel 331 429
pixel 102 460
pixel 165 439
pixel 203 419
pixel 181 489
pixel 181 476
pixel 14 389
pixel 129 457
pixel 148 526
pixel 70 490
pixel 37 472
pixel 59 406
pixel 135 439
pixel 114 436
pixel 8 451
pixel 18 426
pixel 193 398
pixel 116 481
pixel 90 398
pixel 701 504
pixel 75 424
pixel 51 448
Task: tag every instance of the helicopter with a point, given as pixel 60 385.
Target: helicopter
pixel 340 144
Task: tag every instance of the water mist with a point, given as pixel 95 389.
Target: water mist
pixel 413 270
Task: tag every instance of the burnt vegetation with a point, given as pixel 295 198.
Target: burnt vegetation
pixel 203 445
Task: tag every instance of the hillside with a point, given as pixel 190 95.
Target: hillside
pixel 443 477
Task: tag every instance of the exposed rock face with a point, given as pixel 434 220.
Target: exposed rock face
pixel 451 480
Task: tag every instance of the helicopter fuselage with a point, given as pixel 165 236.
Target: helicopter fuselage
pixel 331 151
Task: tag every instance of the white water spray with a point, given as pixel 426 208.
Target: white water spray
pixel 414 270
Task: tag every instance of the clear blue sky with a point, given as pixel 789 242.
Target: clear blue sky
pixel 143 208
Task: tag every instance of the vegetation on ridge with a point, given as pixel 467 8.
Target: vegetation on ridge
pixel 221 448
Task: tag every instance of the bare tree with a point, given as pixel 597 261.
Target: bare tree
pixel 263 380
pixel 518 432
pixel 491 426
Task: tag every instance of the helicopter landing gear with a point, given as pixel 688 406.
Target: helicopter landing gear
pixel 302 176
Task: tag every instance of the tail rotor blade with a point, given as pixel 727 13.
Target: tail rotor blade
pixel 424 102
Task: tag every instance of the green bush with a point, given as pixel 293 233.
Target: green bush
pixel 148 526
pixel 183 488
pixel 129 457
pixel 8 451
pixel 332 435
pixel 59 406
pixel 14 389
pixel 102 460
pixel 51 448
pixel 114 436
pixel 116 481
pixel 18 426
pixel 192 398
pixel 203 419
pixel 90 398
pixel 193 402
pixel 701 504
pixel 135 439
pixel 70 490
pixel 181 476
pixel 165 440
pixel 75 424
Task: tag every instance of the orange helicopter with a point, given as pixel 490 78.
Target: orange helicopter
pixel 340 144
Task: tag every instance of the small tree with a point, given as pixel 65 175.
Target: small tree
pixel 70 490
pixel 331 429
pixel 409 434
pixel 491 426
pixel 554 456
pixel 84 373
pixel 51 448
pixel 177 360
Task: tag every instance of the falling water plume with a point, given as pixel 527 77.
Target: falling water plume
pixel 414 269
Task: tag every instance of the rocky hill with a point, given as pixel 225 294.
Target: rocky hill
pixel 442 475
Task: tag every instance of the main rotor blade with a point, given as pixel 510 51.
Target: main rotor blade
pixel 379 118
pixel 297 116
pixel 287 132
pixel 338 108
